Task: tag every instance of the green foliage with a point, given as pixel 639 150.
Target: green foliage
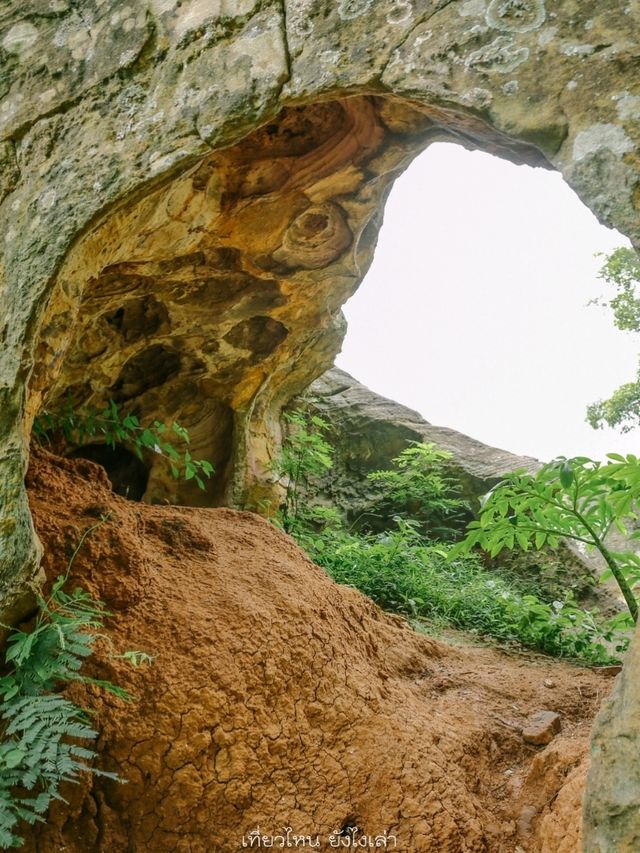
pixel 577 499
pixel 419 487
pixel 305 455
pixel 40 730
pixel 404 572
pixel 114 427
pixel 621 271
pixel 35 753
pixel 621 411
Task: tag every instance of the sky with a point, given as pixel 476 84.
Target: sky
pixel 475 309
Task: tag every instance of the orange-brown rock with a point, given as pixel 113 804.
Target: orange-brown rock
pixel 190 189
pixel 216 298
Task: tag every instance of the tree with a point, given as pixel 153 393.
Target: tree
pixel 578 499
pixel 621 271
pixel 420 487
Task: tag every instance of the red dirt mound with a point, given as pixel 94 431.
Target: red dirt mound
pixel 279 699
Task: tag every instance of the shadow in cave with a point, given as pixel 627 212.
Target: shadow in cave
pixel 128 474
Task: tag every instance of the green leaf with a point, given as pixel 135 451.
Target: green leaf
pixel 13 758
pixel 566 475
pixel 148 439
pixel 620 526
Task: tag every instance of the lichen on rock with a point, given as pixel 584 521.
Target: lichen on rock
pixel 516 16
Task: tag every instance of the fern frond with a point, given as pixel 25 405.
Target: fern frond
pixel 40 729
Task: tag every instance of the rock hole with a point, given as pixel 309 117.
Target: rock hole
pixel 127 473
pixel 349 828
pixel 259 335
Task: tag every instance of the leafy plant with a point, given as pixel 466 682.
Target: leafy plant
pixel 419 487
pixel 305 455
pixel 621 410
pixel 578 499
pixel 115 427
pixel 39 729
pixel 621 271
pixel 405 573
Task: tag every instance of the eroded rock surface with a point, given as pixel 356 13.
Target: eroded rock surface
pixel 612 805
pixel 368 430
pixel 132 138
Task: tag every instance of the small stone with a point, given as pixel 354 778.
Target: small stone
pixel 541 728
pixel 548 682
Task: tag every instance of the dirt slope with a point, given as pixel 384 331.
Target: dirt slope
pixel 279 699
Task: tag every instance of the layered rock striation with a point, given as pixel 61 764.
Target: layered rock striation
pixel 189 190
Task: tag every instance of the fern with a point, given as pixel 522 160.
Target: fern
pixel 39 729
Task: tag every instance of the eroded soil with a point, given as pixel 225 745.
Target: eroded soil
pixel 279 699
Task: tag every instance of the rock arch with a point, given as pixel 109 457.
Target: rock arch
pixel 189 190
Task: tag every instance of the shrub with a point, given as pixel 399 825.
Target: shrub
pixel 420 487
pixel 404 573
pixel 577 499
pixel 406 570
pixel 305 455
pixel 75 425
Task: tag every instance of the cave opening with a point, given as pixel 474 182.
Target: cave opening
pixel 216 298
pixel 127 473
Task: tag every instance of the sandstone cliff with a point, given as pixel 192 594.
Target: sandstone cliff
pixel 190 190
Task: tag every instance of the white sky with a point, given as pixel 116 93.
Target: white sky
pixel 475 313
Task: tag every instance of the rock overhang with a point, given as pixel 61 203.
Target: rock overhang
pixel 105 106
pixel 252 146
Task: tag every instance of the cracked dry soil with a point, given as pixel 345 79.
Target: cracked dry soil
pixel 279 699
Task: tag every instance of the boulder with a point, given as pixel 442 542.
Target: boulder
pixel 611 815
pixel 541 728
pixel 368 430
